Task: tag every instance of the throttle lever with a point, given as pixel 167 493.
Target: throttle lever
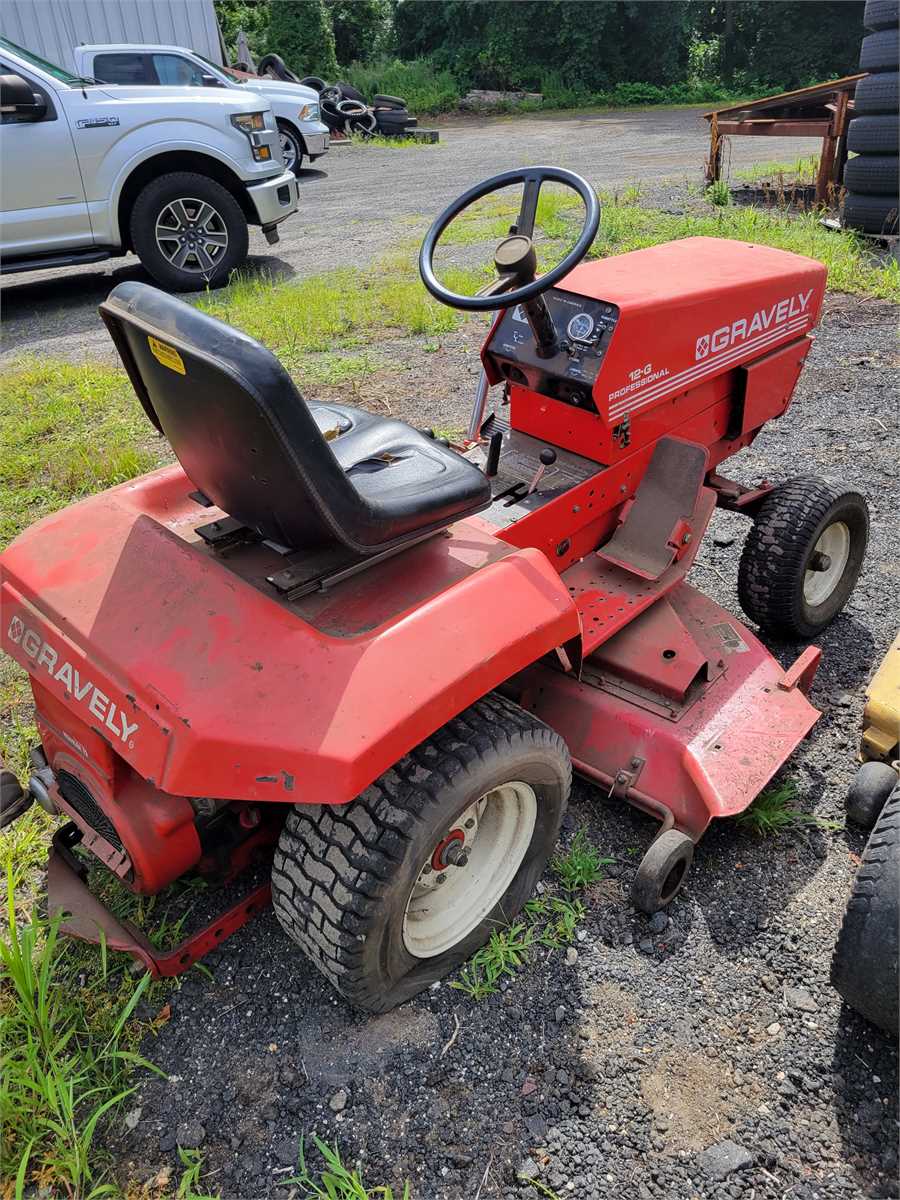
pixel 548 458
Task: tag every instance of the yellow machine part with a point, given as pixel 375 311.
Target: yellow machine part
pixel 881 718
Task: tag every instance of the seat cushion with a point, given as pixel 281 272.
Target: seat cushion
pixel 411 480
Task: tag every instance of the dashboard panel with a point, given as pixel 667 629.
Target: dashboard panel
pixel 584 329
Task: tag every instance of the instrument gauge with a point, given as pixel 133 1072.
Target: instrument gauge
pixel 581 327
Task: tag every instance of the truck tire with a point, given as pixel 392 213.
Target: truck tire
pixel 390 892
pixel 879 51
pixel 865 963
pixel 872 785
pixel 802 558
pixel 877 94
pixel 872 175
pixel 871 214
pixel 874 135
pixel 881 14
pixel 383 101
pixel 292 146
pixel 164 209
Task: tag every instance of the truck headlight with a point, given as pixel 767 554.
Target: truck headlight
pixel 309 112
pixel 252 124
pixel 249 122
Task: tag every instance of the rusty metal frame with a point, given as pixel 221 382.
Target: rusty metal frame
pixel 821 111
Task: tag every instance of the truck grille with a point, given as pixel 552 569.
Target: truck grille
pixel 78 797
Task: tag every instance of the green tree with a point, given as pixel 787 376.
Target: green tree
pixel 361 28
pixel 250 15
pixel 300 31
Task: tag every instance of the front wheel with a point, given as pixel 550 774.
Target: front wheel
pixel 390 892
pixel 188 231
pixel 803 556
pixel 291 147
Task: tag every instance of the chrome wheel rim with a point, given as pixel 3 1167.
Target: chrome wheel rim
pixel 469 869
pixel 826 564
pixel 288 149
pixel 191 235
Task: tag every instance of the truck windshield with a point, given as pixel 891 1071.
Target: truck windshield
pixel 35 60
pixel 226 71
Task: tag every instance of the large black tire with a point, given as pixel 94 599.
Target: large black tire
pixel 350 92
pixel 662 871
pixel 275 65
pixel 383 101
pixel 314 82
pixel 152 203
pixel 874 135
pixel 869 791
pixel 872 175
pixel 881 14
pixel 864 968
pixel 342 878
pixel 871 214
pixel 878 94
pixel 879 51
pixel 779 550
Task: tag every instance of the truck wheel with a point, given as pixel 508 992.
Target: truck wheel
pixel 802 558
pixel 188 231
pixel 871 786
pixel 390 892
pixel 865 963
pixel 291 146
pixel 662 871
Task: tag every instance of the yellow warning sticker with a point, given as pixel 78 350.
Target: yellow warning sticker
pixel 167 355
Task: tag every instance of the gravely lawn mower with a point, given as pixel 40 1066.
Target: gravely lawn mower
pixel 330 639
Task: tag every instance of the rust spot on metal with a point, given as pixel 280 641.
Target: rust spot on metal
pixel 267 779
pixel 288 780
pixel 257 666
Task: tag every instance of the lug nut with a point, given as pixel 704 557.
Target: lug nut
pixel 470 824
pixel 426 870
pixel 441 878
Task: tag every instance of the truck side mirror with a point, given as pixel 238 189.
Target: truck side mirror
pixel 211 81
pixel 18 101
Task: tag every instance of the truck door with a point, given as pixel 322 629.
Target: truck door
pixel 42 200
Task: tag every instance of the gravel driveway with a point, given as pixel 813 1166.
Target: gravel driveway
pixel 350 208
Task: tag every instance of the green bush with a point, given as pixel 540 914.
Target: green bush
pixel 424 87
pixel 300 31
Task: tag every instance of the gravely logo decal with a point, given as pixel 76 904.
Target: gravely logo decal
pixel 747 327
pixel 84 691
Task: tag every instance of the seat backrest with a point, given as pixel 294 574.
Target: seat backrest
pixel 238 426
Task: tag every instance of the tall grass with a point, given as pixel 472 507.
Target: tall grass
pixel 425 87
pixel 60 1073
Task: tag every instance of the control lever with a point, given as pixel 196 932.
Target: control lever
pixel 548 458
pixel 493 455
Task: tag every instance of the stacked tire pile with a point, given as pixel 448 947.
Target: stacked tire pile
pixel 345 111
pixel 871 178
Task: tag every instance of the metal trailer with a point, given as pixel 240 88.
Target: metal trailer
pixel 53 28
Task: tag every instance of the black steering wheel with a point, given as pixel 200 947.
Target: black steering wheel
pixel 514 259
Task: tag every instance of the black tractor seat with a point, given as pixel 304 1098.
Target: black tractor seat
pixel 300 475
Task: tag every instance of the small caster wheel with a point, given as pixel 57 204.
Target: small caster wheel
pixel 871 786
pixel 662 872
pixel 803 556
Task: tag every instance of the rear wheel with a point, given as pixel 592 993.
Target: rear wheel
pixel 865 964
pixel 188 231
pixel 802 558
pixel 392 891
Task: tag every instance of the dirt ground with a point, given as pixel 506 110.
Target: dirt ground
pixel 356 203
pixel 703 1056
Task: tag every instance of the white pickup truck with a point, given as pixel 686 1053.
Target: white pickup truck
pixel 174 174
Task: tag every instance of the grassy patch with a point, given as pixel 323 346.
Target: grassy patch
pixel 851 268
pixel 335 1180
pixel 718 194
pixel 390 143
pixel 581 865
pixel 66 1059
pixel 775 811
pixel 66 430
pixel 801 170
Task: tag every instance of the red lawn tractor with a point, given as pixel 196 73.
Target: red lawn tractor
pixel 331 641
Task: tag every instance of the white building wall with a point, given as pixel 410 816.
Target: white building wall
pixel 52 28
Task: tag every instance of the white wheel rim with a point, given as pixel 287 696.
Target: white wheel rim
pixel 493 834
pixel 833 550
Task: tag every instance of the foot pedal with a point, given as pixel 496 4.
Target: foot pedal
pixel 658 521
